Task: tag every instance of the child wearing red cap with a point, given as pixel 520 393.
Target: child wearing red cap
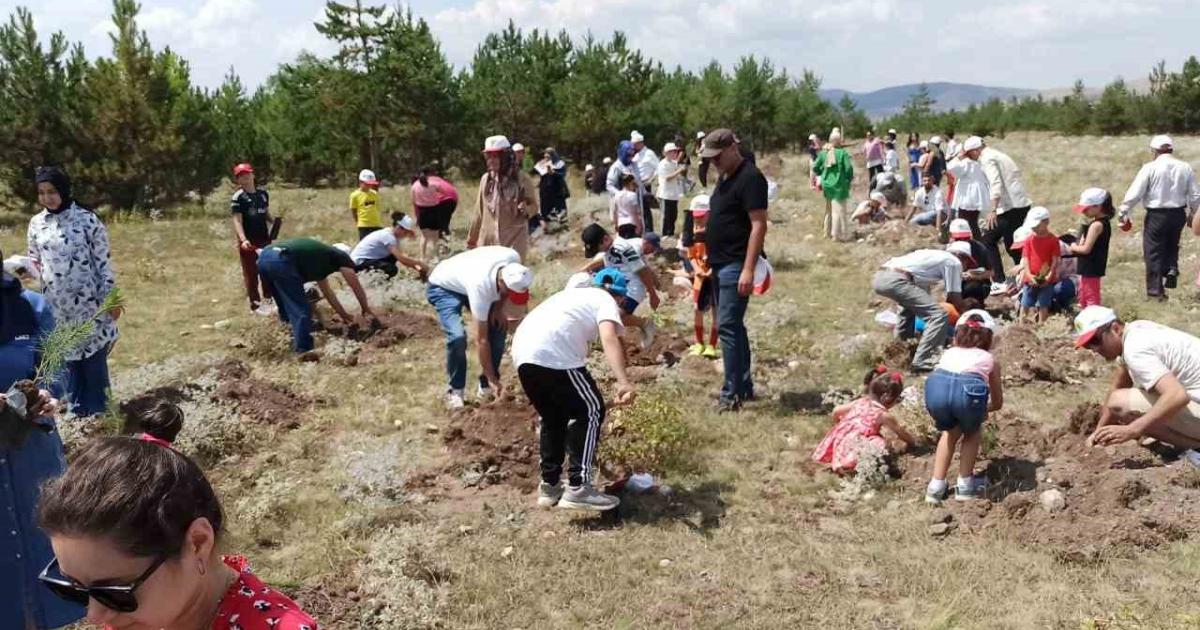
pixel 861 421
pixel 250 209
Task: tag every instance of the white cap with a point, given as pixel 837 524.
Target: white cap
pixel 892 131
pixel 763 271
pixel 878 196
pixel 589 167
pixel 812 136
pixel 342 247
pixel 406 222
pixel 367 176
pixel 700 135
pixel 607 160
pixel 1021 235
pixel 936 140
pixel 835 136
pixel 1091 197
pixel 960 228
pixel 670 146
pixel 18 265
pixel 1160 142
pixel 636 137
pixel 1089 320
pixel 699 204
pixel 985 318
pixel 518 147
pixel 959 248
pixel 518 278
pixel 972 143
pixel 579 280
pixel 924 144
pixel 495 143
pixel 1036 216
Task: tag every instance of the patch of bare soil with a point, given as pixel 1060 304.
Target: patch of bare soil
pixel 1116 498
pixel 667 350
pixel 260 400
pixel 333 601
pixel 898 354
pixel 391 329
pixel 494 444
pixel 1027 358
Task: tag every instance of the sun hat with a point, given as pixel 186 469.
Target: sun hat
pixel 517 278
pixel 1089 321
pixel 717 141
pixel 495 144
pixel 517 147
pixel 892 131
pixel 700 135
pixel 936 140
pixel 924 144
pixel 985 318
pixel 1021 235
pixel 367 176
pixel 972 143
pixel 959 228
pixel 611 280
pixel 699 204
pixel 242 168
pixel 670 146
pixel 1091 197
pixel 636 137
pixel 1036 216
pixel 1161 141
pixel 959 248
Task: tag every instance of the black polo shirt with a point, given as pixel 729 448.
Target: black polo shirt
pixel 729 213
pixel 255 210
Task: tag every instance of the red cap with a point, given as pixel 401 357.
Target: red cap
pixel 520 298
pixel 242 168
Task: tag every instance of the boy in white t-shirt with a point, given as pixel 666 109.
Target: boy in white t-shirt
pixel 380 250
pixel 550 350
pixel 628 257
pixel 626 209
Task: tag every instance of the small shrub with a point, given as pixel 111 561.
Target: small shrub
pixel 650 436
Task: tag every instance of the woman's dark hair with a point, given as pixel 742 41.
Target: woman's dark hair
pixel 421 176
pixel 1107 211
pixel 969 333
pixel 397 217
pixel 883 383
pixel 593 238
pixel 164 421
pixel 140 495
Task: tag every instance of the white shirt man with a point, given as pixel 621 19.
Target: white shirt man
pixel 930 266
pixel 1004 181
pixel 927 204
pixel 1167 187
pixel 645 160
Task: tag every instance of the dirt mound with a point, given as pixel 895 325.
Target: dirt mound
pixel 495 444
pixel 897 354
pixel 393 328
pixel 667 350
pixel 1116 497
pixel 1028 355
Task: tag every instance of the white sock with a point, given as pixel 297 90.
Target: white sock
pixel 966 481
pixel 937 485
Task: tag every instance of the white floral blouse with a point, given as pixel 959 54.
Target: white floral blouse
pixel 71 250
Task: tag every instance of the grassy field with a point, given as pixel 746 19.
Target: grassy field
pixel 330 508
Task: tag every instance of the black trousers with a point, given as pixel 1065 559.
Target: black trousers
pixel 386 265
pixel 689 230
pixel 972 219
pixel 1006 225
pixel 670 212
pixel 702 172
pixel 647 211
pixel 571 409
pixel 976 290
pixel 1160 245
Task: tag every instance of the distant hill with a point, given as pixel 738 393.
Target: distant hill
pixel 889 101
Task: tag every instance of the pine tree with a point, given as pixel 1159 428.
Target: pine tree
pixel 358 30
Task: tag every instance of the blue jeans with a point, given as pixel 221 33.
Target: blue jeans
pixel 288 288
pixel 85 383
pixel 1064 295
pixel 731 330
pixel 957 401
pixel 927 217
pixel 449 306
pixel 1040 297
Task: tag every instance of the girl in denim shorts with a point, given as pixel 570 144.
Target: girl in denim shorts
pixel 960 392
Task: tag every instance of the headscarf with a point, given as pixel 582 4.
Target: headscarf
pixel 835 139
pixel 625 152
pixel 56 177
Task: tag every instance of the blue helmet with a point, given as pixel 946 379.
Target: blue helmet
pixel 611 280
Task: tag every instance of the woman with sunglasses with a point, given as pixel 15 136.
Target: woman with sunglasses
pixel 136 531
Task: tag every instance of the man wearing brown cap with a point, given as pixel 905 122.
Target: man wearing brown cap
pixel 737 228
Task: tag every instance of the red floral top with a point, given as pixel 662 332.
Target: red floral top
pixel 251 605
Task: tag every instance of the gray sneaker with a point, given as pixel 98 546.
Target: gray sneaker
pixel 548 495
pixel 586 497
pixel 975 489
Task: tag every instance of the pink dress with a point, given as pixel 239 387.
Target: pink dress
pixel 861 423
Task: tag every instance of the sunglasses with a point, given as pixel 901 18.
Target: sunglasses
pixel 118 597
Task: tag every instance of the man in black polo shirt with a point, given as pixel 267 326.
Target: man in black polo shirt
pixel 737 227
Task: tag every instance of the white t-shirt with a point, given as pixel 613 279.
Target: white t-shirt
pixel 1152 350
pixel 557 333
pixel 669 189
pixel 628 207
pixel 473 274
pixel 930 201
pixel 375 246
pixel 930 266
pixel 891 161
pixel 625 255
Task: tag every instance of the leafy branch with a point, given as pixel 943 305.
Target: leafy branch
pixel 65 338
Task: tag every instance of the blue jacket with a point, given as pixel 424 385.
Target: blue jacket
pixel 24 550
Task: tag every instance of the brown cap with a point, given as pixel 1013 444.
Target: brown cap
pixel 717 141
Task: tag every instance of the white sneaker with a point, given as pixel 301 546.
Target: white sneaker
pixel 483 392
pixel 999 288
pixel 586 497
pixel 648 332
pixel 1192 456
pixel 454 399
pixel 266 310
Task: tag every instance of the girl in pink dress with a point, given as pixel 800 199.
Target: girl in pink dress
pixel 861 422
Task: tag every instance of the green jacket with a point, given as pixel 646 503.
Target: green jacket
pixel 836 179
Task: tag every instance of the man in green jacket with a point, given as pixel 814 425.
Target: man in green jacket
pixel 836 172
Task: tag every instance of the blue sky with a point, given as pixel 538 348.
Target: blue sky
pixel 851 44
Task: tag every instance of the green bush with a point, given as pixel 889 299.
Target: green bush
pixel 649 436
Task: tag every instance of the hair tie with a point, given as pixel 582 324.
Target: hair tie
pixel 974 323
pixel 146 437
pixel 881 369
pixel 897 377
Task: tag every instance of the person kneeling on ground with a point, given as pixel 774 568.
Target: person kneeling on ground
pixel 873 210
pixel 380 250
pixel 965 387
pixel 929 206
pixel 1155 389
pixel 861 422
pixel 907 279
pixel 482 279
pixel 976 285
pixel 286 265
pixel 550 351
pixel 137 533
pixel 626 255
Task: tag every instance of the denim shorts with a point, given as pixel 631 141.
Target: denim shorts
pixel 1041 297
pixel 629 305
pixel 957 401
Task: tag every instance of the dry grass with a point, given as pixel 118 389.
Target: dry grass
pixel 752 541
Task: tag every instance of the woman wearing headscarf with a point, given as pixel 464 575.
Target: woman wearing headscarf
pixel 69 247
pixel 24 466
pixel 506 200
pixel 552 190
pixel 836 170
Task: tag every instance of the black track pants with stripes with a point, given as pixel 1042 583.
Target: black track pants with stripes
pixel 571 409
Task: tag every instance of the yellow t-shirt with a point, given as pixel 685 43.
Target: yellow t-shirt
pixel 365 204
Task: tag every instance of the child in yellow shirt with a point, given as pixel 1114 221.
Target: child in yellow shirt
pixel 364 204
